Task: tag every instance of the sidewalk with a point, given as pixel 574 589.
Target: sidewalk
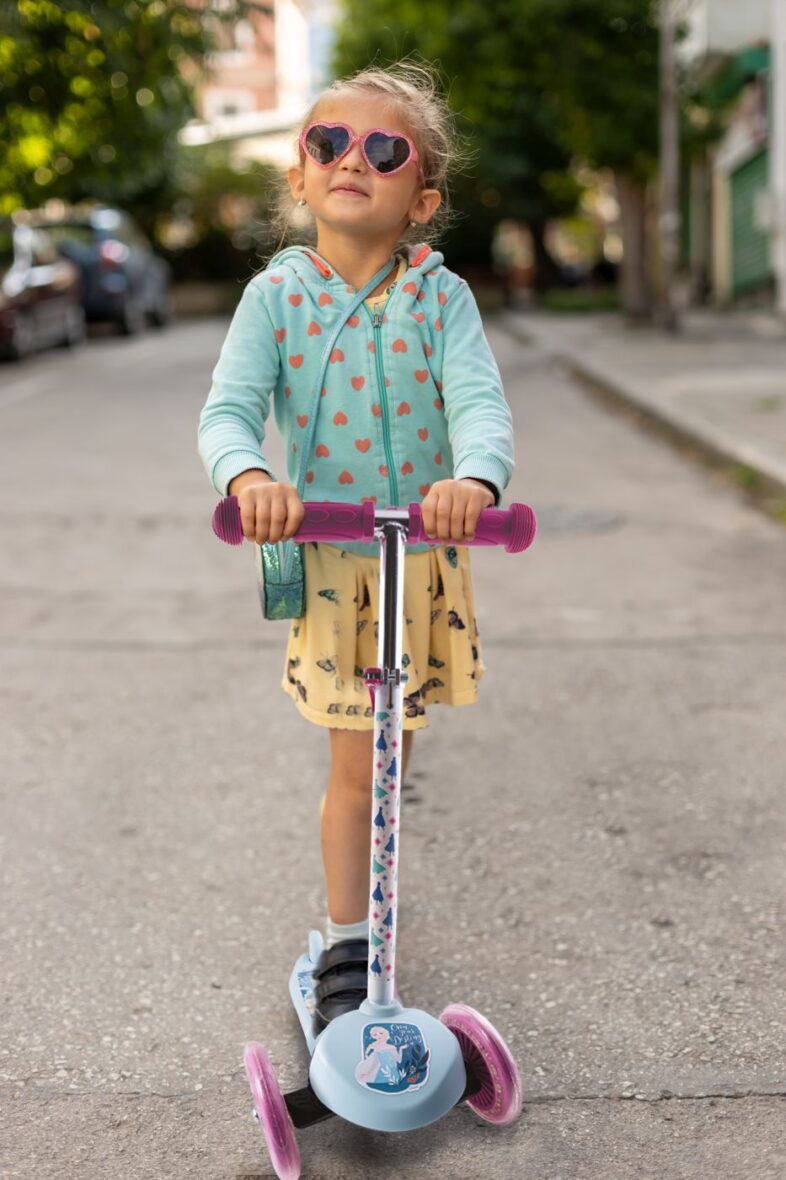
pixel 720 383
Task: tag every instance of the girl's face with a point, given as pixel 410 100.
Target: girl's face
pixel 351 198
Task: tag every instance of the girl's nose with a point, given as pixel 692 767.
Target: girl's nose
pixel 354 158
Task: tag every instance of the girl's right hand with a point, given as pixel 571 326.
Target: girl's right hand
pixel 269 511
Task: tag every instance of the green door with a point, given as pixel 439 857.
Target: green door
pixel 750 246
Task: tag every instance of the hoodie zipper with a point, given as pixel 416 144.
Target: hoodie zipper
pixel 376 320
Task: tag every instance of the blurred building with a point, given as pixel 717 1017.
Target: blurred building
pixel 241 76
pixel 258 85
pixel 734 214
pixel 717 28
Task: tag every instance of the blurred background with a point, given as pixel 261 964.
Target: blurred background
pixel 632 164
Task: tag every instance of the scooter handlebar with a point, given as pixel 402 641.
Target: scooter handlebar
pixel 513 527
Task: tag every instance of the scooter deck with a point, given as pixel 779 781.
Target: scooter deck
pixel 301 986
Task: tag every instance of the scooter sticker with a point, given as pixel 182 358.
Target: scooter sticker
pixel 395 1058
pixel 306 984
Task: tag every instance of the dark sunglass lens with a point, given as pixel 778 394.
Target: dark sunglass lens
pixel 386 153
pixel 325 144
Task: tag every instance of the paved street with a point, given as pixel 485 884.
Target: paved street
pixel 593 855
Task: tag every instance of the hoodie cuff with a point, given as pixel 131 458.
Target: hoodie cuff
pixel 485 468
pixel 235 463
pixel 491 487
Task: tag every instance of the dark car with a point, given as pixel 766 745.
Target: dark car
pixel 40 293
pixel 124 281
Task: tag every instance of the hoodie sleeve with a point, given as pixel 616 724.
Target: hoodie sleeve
pixel 232 422
pixel 480 424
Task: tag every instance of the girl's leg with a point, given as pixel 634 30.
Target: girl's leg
pixel 346 822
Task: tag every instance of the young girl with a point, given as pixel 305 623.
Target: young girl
pixel 411 409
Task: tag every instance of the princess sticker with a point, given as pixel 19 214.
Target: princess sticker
pixel 305 983
pixel 395 1058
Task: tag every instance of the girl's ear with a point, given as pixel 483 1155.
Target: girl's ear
pixel 425 205
pixel 296 181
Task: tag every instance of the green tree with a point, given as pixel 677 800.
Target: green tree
pixel 93 94
pixel 218 227
pixel 543 83
pixel 519 169
pixel 597 67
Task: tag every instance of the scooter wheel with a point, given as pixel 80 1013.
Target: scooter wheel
pixel 272 1113
pixel 499 1098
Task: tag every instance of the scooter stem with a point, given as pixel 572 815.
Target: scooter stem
pixel 386 683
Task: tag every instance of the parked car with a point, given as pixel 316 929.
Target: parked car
pixel 40 293
pixel 124 281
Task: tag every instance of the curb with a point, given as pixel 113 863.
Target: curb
pixel 680 426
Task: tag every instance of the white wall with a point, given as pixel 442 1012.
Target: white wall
pixel 293 67
pixel 323 17
pixel 723 26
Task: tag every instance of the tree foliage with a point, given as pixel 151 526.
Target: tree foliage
pixel 536 84
pixel 93 94
pixel 578 77
pixel 481 52
pixel 597 66
pixel 218 227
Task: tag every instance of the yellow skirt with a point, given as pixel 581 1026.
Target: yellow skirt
pixel 336 639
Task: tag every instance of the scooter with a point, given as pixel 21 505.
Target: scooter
pixel 383 1065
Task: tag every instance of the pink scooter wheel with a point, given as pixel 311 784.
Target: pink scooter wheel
pixel 272 1112
pixel 499 1098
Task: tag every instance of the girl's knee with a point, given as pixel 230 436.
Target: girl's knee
pixel 350 768
pixel 351 756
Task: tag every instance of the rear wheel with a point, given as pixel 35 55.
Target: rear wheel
pixel 76 328
pixel 23 339
pixel 132 317
pixel 499 1098
pixel 161 312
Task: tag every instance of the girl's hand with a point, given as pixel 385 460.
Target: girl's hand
pixel 451 508
pixel 269 511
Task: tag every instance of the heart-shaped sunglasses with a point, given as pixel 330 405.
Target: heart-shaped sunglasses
pixel 385 152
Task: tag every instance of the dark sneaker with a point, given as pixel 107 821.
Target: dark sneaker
pixel 340 981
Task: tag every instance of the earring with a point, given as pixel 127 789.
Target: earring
pixel 302 201
pixel 413 223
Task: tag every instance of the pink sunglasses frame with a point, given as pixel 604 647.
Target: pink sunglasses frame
pixel 413 157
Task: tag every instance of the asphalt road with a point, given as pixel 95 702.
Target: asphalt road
pixel 592 855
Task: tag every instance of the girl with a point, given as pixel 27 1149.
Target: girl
pixel 411 409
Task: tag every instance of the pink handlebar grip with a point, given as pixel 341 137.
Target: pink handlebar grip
pixel 326 521
pixel 323 521
pixel 513 527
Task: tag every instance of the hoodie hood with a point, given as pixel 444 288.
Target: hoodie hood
pixel 312 268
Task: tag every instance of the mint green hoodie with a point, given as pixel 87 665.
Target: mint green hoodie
pixel 409 397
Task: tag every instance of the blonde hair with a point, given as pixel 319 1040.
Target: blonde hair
pixel 412 89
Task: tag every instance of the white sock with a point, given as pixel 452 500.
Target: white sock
pixel 335 932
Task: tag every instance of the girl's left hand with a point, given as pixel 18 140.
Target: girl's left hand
pixel 451 508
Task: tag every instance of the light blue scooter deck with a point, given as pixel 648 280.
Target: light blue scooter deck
pixel 301 986
pixel 340 1053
